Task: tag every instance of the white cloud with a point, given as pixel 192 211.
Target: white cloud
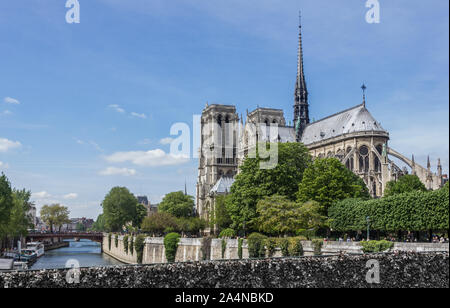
pixel 145 142
pixel 6 112
pixel 150 158
pixel 10 100
pixel 41 195
pixel 165 141
pixel 117 108
pixel 6 144
pixel 70 196
pixel 139 115
pixel 118 171
pixel 3 165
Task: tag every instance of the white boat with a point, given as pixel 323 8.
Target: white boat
pixel 20 266
pixel 37 247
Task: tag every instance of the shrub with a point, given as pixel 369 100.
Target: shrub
pixel 271 245
pixel 227 233
pixel 139 247
pixel 256 247
pixel 284 246
pixel 171 245
pixel 295 247
pixel 376 246
pixel 125 244
pixel 317 246
pixel 224 248
pixel 169 230
pixel 240 242
pixel 132 245
pixel 116 241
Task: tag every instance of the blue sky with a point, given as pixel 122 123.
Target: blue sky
pixel 75 99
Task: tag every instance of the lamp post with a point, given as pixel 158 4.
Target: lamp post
pixel 368 231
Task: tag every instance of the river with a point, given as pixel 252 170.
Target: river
pixel 87 253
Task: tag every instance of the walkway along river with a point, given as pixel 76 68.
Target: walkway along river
pixel 87 253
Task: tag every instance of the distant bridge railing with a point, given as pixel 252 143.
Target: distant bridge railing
pixel 94 236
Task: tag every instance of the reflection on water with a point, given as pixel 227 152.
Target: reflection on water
pixel 86 252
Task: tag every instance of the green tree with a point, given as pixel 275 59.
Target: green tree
pixel 253 183
pixel 119 208
pixel 80 227
pixel 311 217
pixel 158 222
pixel 220 217
pixel 6 204
pixel 177 204
pixel 406 183
pixel 20 221
pixel 99 224
pixel 55 215
pixel 277 215
pixel 327 180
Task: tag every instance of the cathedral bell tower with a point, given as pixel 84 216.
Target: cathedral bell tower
pixel 301 107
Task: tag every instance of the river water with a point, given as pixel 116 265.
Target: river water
pixel 86 253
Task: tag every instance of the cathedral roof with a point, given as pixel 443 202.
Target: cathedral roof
pixel 223 185
pixel 355 119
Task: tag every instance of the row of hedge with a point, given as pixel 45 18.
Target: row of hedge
pixel 413 211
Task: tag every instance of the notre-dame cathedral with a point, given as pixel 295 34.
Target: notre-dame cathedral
pixel 353 136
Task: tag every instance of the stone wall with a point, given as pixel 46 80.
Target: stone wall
pixel 397 270
pixel 190 249
pixel 119 251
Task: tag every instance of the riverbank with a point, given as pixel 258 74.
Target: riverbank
pixel 197 249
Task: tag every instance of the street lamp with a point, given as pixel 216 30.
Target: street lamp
pixel 368 231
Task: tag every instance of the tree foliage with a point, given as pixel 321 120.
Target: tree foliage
pixel 406 183
pixel 177 204
pixel 277 215
pixel 327 180
pixel 6 204
pixel 55 215
pixel 120 207
pixel 171 241
pixel 411 211
pixel 253 184
pixel 220 217
pixel 160 222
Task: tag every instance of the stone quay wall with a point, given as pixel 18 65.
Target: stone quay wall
pixel 396 270
pixel 190 249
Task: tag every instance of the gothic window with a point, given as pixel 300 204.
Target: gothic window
pixel 329 154
pixel 376 160
pixel 274 121
pixel 363 159
pixel 340 155
pixel 350 162
pixel 320 155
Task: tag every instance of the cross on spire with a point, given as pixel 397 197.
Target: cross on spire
pixel 363 87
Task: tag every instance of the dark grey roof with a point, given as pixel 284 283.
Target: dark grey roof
pixel 223 185
pixel 355 119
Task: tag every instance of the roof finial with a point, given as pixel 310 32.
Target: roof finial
pixel 363 87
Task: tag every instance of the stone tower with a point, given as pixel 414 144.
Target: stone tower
pixel 301 107
pixel 218 152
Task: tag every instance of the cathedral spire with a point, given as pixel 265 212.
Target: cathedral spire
pixel 301 107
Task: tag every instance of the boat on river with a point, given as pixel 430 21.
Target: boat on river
pixel 37 247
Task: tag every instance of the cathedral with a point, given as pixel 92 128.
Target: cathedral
pixel 353 136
